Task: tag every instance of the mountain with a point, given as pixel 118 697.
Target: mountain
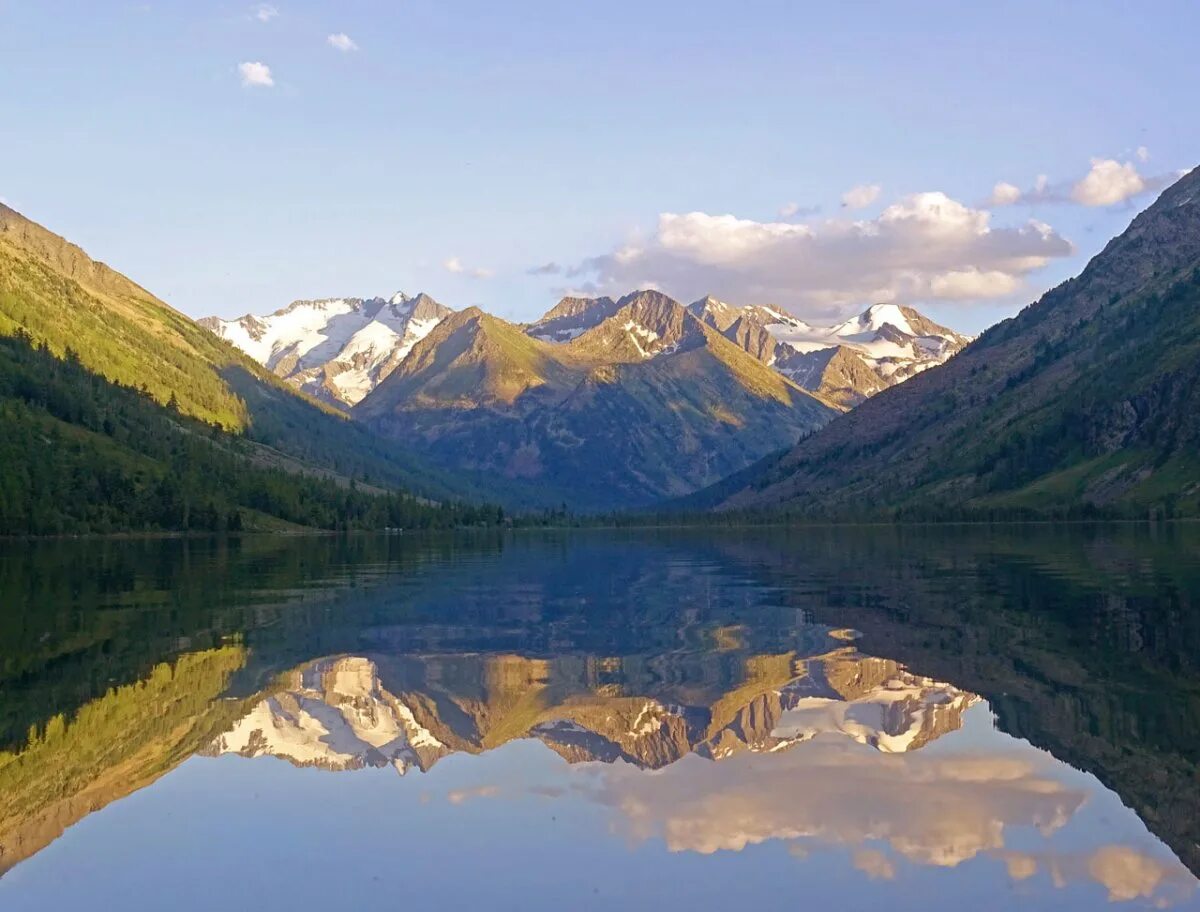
pixel 336 349
pixel 847 363
pixel 333 714
pixel 570 317
pixel 121 413
pixel 646 403
pixel 721 316
pixel 1085 403
pixel 344 713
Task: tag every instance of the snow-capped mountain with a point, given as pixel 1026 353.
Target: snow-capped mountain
pixel 845 363
pixel 848 362
pixel 336 349
pixel 721 315
pixel 338 714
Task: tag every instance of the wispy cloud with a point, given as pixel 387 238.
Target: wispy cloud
pixel 456 266
pixel 459 796
pixel 795 210
pixel 256 74
pixel 861 196
pixel 545 269
pixel 264 12
pixel 342 42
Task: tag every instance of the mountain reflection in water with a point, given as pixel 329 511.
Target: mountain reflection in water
pixel 918 718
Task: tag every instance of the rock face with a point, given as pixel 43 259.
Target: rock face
pixel 571 317
pixel 351 712
pixel 647 403
pixel 336 349
pixel 847 363
pixel 1085 402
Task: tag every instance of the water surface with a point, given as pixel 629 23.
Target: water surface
pixel 914 718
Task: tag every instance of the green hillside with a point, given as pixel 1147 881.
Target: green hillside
pixel 119 413
pixel 81 454
pixel 1085 404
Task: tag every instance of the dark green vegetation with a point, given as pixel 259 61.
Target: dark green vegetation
pixel 80 454
pixel 648 403
pixel 120 414
pixel 1085 404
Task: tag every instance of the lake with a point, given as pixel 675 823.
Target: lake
pixel 848 718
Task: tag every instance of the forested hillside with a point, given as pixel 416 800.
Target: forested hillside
pixel 81 454
pixel 119 413
pixel 1086 404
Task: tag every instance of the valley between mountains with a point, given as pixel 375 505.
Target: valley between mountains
pixel 600 403
pixel 123 414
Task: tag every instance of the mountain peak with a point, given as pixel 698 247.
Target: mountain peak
pixel 1085 403
pixel 571 317
pixel 645 325
pixel 336 349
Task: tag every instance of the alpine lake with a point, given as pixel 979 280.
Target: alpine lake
pixel 885 717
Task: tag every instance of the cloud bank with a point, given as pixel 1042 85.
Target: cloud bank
pixel 922 247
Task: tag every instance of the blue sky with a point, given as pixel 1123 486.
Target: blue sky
pixel 454 147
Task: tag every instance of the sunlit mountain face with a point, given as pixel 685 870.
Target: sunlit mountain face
pixel 858 718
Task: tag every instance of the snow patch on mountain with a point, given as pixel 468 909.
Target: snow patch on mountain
pixel 337 716
pixel 887 344
pixel 337 349
pixel 903 713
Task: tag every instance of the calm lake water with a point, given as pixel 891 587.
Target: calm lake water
pixel 917 718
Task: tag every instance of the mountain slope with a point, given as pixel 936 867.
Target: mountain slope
pixel 647 403
pixel 1086 402
pixel 119 412
pixel 571 317
pixel 61 296
pixel 885 345
pixel 337 349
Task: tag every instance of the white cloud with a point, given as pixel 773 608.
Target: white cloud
pixel 256 74
pixel 966 284
pixel 455 265
pixel 342 42
pixel 919 808
pixel 264 12
pixel 861 196
pixel 1004 194
pixel 924 246
pixel 1107 183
